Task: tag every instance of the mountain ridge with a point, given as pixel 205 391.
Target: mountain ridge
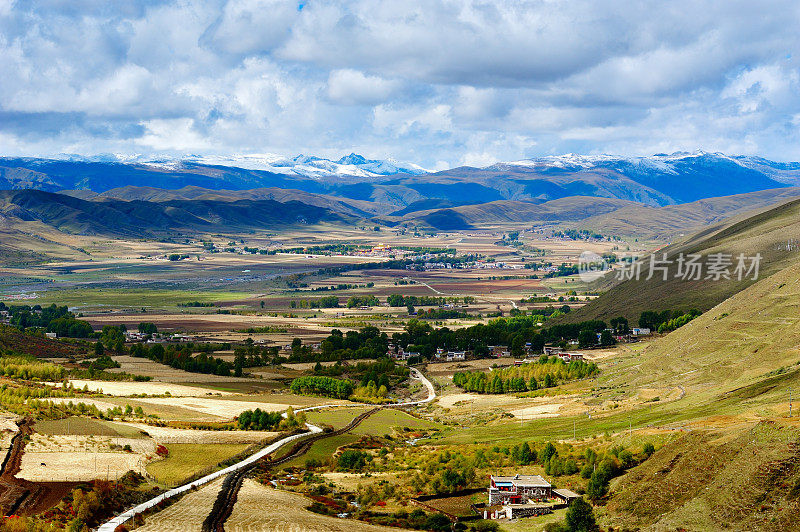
pixel 656 180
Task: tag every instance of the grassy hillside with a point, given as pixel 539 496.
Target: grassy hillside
pixel 747 479
pixel 768 233
pixel 735 343
pixel 136 218
pixel 672 221
pixel 507 211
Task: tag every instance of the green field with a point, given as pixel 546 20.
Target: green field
pixel 121 297
pixel 86 427
pixel 187 459
pixel 323 449
pixel 377 424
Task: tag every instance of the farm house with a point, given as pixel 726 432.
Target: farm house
pixel 518 489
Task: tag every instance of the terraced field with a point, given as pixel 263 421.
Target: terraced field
pixel 259 508
pixel 186 514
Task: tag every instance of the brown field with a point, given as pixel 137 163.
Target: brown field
pixel 175 435
pixel 259 508
pixel 82 458
pixel 220 408
pixel 185 515
pixel 163 373
pixel 125 388
pixel 459 506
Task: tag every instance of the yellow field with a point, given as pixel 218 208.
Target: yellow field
pixel 188 459
pixel 259 508
pixel 185 515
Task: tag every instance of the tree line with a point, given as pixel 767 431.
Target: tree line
pixel 545 373
pixel 323 386
pixel 180 357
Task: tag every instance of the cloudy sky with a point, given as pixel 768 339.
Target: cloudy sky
pixel 436 82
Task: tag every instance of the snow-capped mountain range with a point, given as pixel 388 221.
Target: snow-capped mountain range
pixel 302 165
pixel 659 179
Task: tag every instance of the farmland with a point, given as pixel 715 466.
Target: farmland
pixel 188 459
pixel 265 331
pixel 261 508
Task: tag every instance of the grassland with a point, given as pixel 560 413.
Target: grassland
pixel 379 423
pixel 322 450
pixel 188 459
pixel 765 234
pixel 262 508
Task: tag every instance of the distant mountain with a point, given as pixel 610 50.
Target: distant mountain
pixel 112 217
pixel 282 195
pixel 657 180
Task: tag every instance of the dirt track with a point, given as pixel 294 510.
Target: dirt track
pixel 21 497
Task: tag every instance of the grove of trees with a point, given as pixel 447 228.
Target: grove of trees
pixel 324 386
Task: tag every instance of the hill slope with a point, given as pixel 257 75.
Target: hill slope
pixel 765 233
pixel 141 218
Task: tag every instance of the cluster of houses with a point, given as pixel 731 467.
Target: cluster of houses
pixel 476 265
pixel 157 338
pixel 396 352
pixel 632 336
pixel 523 495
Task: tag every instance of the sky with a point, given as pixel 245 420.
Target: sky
pixel 436 82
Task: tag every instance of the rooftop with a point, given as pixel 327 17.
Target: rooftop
pixel 523 480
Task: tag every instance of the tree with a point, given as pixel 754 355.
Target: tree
pixel 580 517
pixel 395 300
pixel 526 455
pixel 238 365
pixel 606 338
pixel 587 338
pixel 98 349
pixel 548 452
pixel 620 325
pixel 148 328
pixel 648 449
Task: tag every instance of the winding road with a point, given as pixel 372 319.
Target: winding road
pixel 247 463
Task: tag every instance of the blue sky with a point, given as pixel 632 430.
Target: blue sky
pixel 436 82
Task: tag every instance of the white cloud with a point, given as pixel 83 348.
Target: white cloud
pixel 175 134
pixel 434 81
pixel 351 87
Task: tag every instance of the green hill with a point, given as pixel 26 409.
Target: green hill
pixel 768 233
pixel 113 217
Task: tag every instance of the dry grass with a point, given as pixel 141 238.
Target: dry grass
pixel 186 514
pixel 219 408
pixel 83 458
pixel 259 508
pixel 166 435
pixel 739 480
pixel 125 389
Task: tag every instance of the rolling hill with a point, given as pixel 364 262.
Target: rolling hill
pixel 282 195
pixel 735 463
pixel 110 217
pixel 769 233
